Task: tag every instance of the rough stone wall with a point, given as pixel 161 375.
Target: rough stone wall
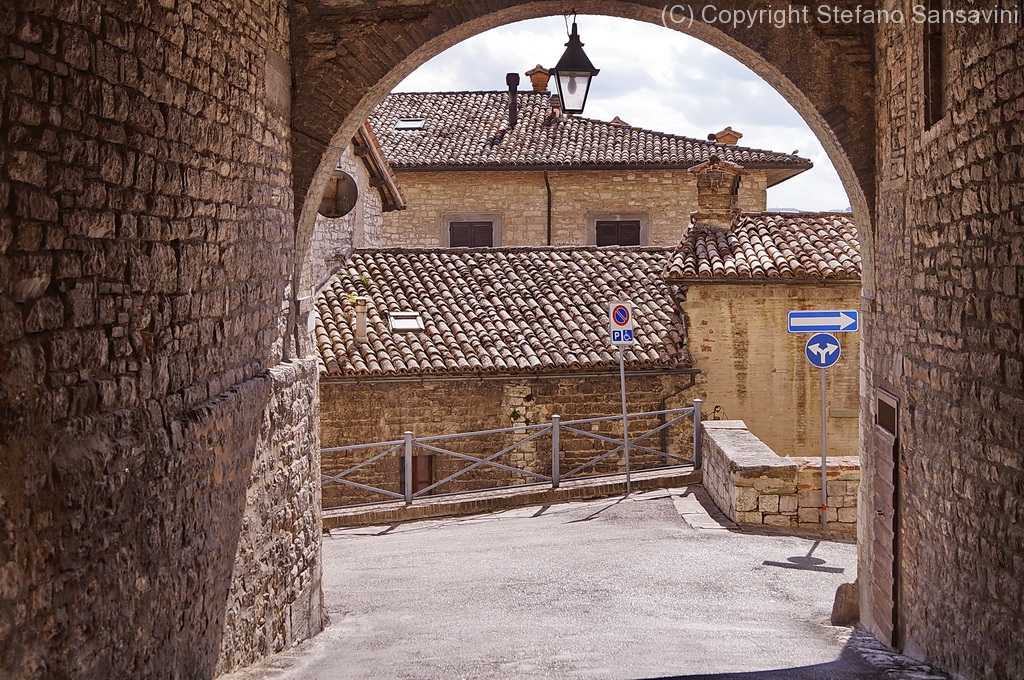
pixel 755 487
pixel 334 238
pixel 275 598
pixel 945 335
pixel 666 197
pixel 146 236
pixel 753 194
pixel 357 413
pixel 757 372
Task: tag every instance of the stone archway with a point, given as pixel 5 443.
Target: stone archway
pixel 345 61
pixel 151 171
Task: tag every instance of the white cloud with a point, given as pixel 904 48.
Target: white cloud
pixel 651 77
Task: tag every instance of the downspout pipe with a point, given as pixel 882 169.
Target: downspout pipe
pixel 547 184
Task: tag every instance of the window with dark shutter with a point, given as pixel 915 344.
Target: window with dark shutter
pixel 934 66
pixel 471 234
pixel 618 232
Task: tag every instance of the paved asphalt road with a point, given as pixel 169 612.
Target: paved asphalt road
pixel 645 587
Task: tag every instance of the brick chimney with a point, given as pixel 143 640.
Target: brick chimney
pixel 726 136
pixel 539 78
pixel 718 187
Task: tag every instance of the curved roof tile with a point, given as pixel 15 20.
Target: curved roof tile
pixel 470 129
pixel 499 311
pixel 770 246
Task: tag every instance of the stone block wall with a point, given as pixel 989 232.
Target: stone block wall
pixel 945 336
pixel 146 236
pixel 757 371
pixel 755 487
pixel 665 197
pixel 363 412
pixel 274 603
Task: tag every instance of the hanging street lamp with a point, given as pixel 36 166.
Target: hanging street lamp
pixel 573 73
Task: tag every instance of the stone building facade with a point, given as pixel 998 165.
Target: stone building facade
pixel 661 200
pixel 552 179
pixel 158 187
pixel 376 194
pixel 943 346
pixel 755 369
pixel 741 279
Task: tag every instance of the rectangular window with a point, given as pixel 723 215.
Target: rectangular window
pixel 405 322
pixel 410 124
pixel 471 234
pixel 618 232
pixel 934 66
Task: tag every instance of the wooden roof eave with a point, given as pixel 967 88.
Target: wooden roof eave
pixel 381 174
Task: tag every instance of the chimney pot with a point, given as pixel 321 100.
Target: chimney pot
pixel 727 136
pixel 539 77
pixel 361 303
pixel 512 80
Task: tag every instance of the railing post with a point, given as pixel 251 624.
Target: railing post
pixel 408 467
pixel 556 424
pixel 698 435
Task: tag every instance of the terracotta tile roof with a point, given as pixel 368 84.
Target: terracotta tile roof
pixel 470 129
pixel 499 311
pixel 770 246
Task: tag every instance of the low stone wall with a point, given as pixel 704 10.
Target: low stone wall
pixel 753 485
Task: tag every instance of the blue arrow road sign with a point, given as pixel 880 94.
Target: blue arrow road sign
pixel 824 321
pixel 822 350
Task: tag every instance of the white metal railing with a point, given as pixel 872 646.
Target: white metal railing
pixel 556 431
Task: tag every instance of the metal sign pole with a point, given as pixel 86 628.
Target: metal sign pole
pixel 625 423
pixel 824 464
pixel 823 350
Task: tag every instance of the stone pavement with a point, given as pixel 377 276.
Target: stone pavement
pixel 657 585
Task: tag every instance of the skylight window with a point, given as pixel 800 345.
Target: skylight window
pixel 405 322
pixel 410 123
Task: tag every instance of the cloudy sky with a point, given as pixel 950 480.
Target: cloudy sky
pixel 675 84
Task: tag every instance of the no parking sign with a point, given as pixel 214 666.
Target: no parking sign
pixel 620 317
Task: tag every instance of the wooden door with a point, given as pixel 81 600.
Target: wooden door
pixel 885 522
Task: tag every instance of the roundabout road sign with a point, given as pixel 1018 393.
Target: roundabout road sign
pixel 822 350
